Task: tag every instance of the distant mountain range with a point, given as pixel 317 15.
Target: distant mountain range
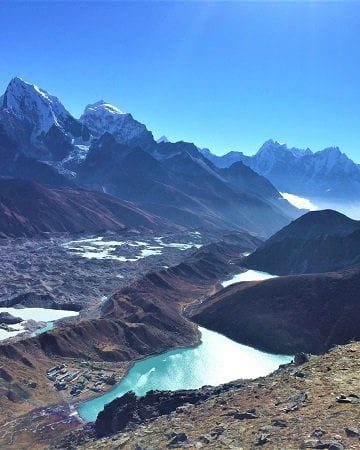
pixel 328 174
pixel 109 151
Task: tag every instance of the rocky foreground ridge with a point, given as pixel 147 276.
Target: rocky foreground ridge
pixel 309 404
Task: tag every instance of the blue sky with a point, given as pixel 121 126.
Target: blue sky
pixel 227 76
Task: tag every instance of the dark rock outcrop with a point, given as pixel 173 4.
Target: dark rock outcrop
pixel 16 164
pixel 128 411
pixel 9 319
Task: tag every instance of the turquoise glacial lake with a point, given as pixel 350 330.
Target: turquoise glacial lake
pixel 215 361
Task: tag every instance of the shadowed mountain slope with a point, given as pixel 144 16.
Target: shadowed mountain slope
pixel 183 187
pixel 30 209
pixel 309 313
pixel 15 164
pixel 319 241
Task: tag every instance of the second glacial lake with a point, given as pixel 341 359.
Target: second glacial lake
pixel 37 314
pixel 215 361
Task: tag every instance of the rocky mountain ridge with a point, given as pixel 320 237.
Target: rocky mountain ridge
pixel 39 122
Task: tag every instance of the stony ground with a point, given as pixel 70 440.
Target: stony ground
pixel 313 405
pixel 46 267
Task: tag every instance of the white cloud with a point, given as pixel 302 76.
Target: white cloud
pixel 299 202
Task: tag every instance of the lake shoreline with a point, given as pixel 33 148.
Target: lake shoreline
pixel 203 356
pixel 76 404
pixel 223 284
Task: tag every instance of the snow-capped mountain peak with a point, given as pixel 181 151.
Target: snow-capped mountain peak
pixel 28 102
pixel 39 122
pixel 320 174
pixel 102 117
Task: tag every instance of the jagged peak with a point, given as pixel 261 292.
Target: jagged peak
pixel 17 80
pixel 18 86
pixel 270 142
pixel 270 145
pixel 333 155
pixel 331 150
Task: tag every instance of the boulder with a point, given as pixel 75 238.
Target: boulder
pixel 177 439
pixel 9 319
pixel 352 432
